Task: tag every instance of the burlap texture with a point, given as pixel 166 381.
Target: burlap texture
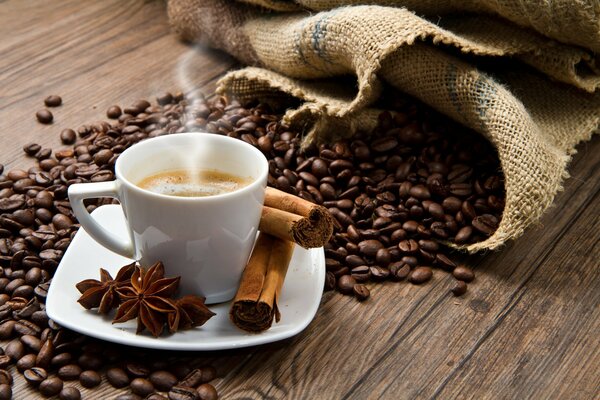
pixel 533 122
pixel 568 21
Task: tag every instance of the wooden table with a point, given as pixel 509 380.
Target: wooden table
pixel 529 327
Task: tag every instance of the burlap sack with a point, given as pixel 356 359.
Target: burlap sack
pixel 568 21
pixel 533 121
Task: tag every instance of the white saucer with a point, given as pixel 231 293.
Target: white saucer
pixel 300 297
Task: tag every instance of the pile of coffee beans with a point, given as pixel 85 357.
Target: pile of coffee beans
pixel 397 195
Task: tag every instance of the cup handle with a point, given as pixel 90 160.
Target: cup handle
pixel 81 191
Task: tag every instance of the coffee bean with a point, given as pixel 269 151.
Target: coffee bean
pixel 346 284
pixel 113 112
pixel 89 379
pixel 53 101
pixel 70 393
pixel 379 273
pixel 34 376
pixel 399 270
pixel 5 377
pixel 183 393
pixel 163 380
pixel 51 386
pixel 459 288
pixel 117 377
pixel 138 370
pixel 68 136
pixel 44 116
pixel 69 372
pixel 444 262
pixel 485 224
pixel 5 392
pixel 463 273
pixel 141 386
pixel 206 391
pixel 90 361
pixel 26 362
pixel 420 275
pixel 361 292
pixel 370 247
pixel 31 342
pixel 31 149
pixel 15 349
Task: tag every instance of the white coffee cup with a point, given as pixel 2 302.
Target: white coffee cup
pixel 205 240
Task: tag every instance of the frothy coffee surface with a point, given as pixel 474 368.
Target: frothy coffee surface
pixel 198 183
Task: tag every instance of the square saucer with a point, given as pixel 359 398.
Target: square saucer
pixel 298 303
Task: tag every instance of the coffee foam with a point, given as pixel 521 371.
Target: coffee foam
pixel 200 183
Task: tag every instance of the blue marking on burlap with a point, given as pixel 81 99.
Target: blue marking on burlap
pixel 486 93
pixel 318 34
pixel 451 80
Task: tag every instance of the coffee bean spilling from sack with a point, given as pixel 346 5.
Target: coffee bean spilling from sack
pixel 396 193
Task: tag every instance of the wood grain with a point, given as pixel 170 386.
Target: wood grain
pixel 527 328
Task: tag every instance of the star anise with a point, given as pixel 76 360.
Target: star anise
pixel 147 298
pixel 102 294
pixel 191 312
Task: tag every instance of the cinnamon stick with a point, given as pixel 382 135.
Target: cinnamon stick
pixel 291 218
pixel 255 303
pixel 288 202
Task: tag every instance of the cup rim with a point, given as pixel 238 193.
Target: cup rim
pixel 260 180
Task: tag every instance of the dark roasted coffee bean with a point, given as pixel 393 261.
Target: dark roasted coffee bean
pixel 486 224
pixel 194 378
pixel 51 386
pixel 361 273
pixel 330 281
pixel 69 372
pixel 444 262
pixel 459 288
pixel 44 116
pixel 117 377
pixel 26 362
pixel 90 361
pixel 5 392
pixel 408 246
pixel 68 136
pixel 379 273
pixel 463 273
pixel 70 393
pixel 361 292
pixel 345 284
pixel 35 375
pixel 31 149
pixel 369 247
pixel 61 359
pixel 89 379
pixel 137 369
pixel 5 361
pixel 163 380
pixel 399 270
pixel 6 329
pixel 53 101
pixel 31 342
pixel 180 370
pixel 113 112
pixel 207 391
pixel 15 350
pixel 463 235
pixel 420 275
pixel 183 393
pixel 141 386
pixel 5 377
pixel 45 354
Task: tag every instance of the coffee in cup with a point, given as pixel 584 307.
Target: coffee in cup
pixel 205 239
